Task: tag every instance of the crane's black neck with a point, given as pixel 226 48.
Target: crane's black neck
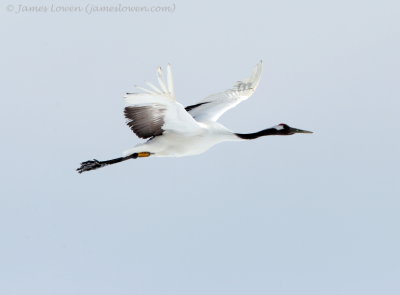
pixel 265 132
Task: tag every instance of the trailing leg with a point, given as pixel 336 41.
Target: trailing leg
pixel 95 164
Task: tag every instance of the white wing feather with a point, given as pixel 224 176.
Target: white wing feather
pixel 170 81
pixel 176 119
pixel 213 106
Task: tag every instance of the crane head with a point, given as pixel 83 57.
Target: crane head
pixel 284 129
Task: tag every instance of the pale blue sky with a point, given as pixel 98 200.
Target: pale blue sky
pixel 301 214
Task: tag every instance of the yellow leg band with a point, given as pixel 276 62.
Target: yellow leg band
pixel 143 154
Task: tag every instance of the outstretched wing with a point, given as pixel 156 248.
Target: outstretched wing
pixel 153 111
pixel 213 106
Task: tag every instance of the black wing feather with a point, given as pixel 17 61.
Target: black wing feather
pixel 145 121
pixel 191 107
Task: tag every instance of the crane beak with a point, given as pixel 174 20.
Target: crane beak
pixel 294 130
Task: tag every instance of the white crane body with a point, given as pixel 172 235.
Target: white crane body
pixel 172 130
